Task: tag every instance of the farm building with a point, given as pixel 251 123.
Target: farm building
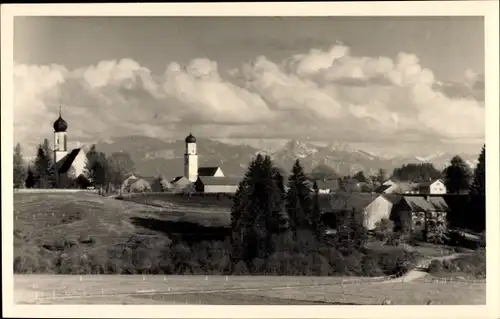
pixel 396 188
pixel 210 184
pixel 333 204
pixel 180 183
pixel 421 215
pixel 328 186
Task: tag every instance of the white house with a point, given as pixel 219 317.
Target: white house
pixel 432 187
pixel 380 208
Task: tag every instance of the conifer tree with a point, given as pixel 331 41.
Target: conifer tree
pixel 255 213
pixel 478 186
pixel 316 221
pixel 298 200
pixel 44 169
pixel 30 178
pixel 19 172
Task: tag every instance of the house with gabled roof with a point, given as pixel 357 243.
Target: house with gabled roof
pixel 432 187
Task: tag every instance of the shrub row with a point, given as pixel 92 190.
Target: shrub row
pixel 140 256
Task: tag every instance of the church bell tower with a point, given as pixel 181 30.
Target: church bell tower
pixel 191 159
pixel 60 138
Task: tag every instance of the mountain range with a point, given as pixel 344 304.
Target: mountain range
pixel 155 157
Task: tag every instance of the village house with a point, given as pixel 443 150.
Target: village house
pixel 432 187
pixel 380 208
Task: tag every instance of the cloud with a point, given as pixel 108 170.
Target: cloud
pixel 322 94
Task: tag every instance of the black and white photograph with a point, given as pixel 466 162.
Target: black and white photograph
pixel 251 160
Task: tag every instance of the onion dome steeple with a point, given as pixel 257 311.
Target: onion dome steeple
pixel 190 138
pixel 60 125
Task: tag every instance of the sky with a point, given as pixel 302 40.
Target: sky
pixel 405 84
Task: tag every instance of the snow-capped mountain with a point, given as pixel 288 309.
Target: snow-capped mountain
pixel 153 155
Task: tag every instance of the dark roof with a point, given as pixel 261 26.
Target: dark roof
pixel 345 201
pixel 418 204
pixel 210 180
pixel 190 138
pixel 328 184
pixel 207 171
pixel 60 125
pixel 393 198
pixel 439 203
pixel 68 160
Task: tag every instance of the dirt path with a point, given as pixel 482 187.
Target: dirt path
pixel 420 270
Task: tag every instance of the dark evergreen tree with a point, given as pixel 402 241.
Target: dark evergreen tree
pixel 255 213
pixel 457 176
pixel 44 168
pixel 478 186
pixel 298 200
pixel 19 171
pixel 316 220
pixel 30 178
pixel 360 177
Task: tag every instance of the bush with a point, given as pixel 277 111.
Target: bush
pixel 370 266
pixel 396 261
pixel 435 267
pixel 384 229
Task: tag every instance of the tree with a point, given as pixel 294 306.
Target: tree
pixel 478 186
pixel 44 168
pixel 30 178
pixel 360 177
pixel 381 175
pixel 316 220
pixel 19 171
pixel 96 168
pixel 120 164
pixel 255 213
pixel 298 200
pixel 323 172
pixel 416 172
pixel 457 175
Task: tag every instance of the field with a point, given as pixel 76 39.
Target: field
pixel 92 222
pixel 46 289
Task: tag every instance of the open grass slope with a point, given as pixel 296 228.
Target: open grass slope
pixel 238 290
pixel 42 222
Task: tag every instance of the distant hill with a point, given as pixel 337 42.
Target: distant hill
pixel 154 156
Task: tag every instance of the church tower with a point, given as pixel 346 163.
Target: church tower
pixel 60 138
pixel 191 159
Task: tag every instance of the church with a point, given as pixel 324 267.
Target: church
pixel 204 179
pixel 72 163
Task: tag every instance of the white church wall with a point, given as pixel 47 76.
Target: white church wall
pixel 79 163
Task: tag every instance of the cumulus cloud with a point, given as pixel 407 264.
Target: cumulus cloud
pixel 321 94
